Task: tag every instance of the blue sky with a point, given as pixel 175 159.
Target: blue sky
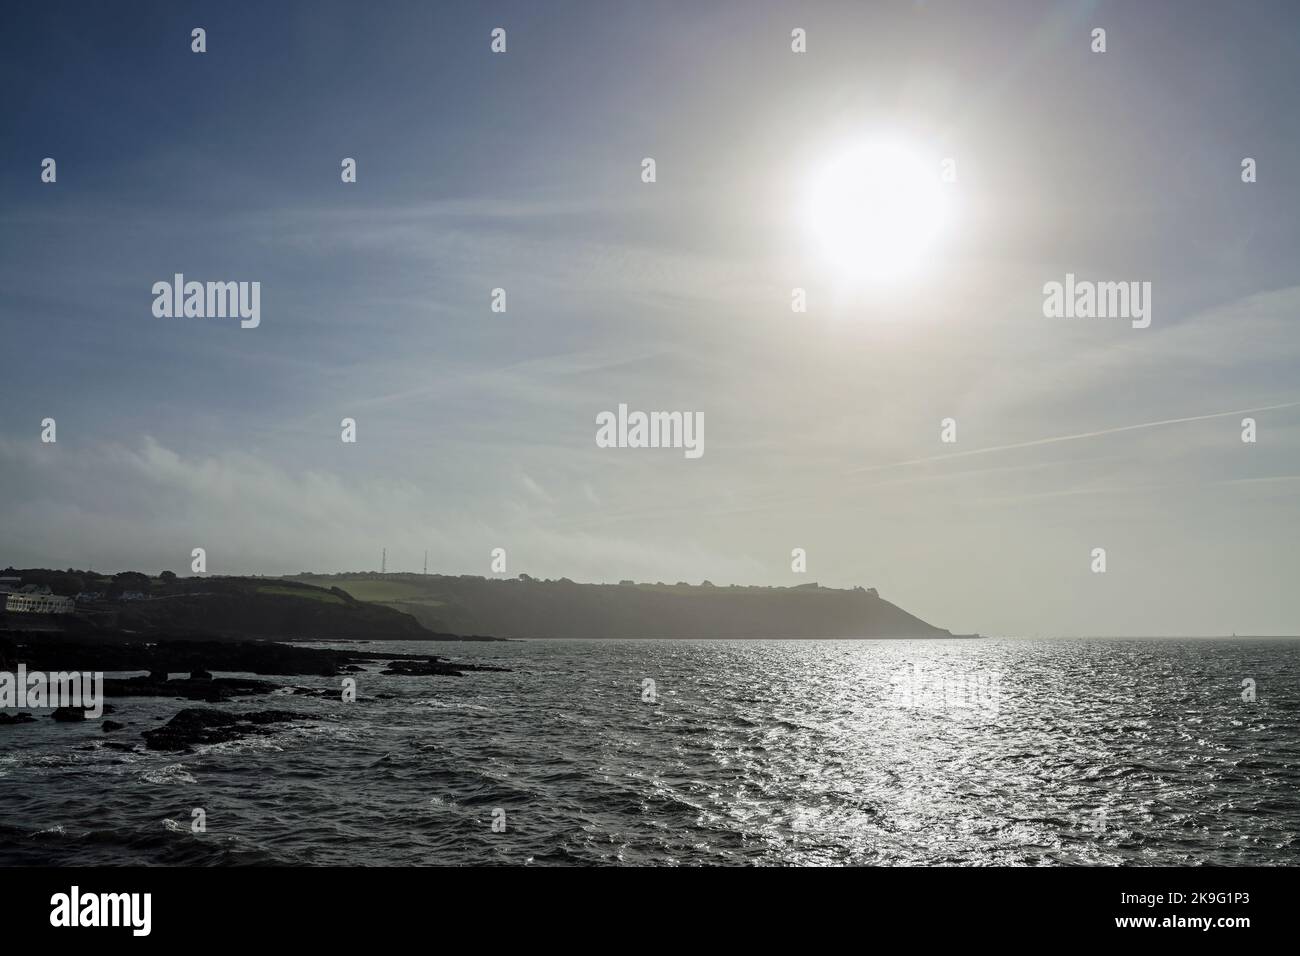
pixel 476 430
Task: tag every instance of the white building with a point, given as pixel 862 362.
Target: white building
pixel 39 604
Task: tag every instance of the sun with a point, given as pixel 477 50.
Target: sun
pixel 875 211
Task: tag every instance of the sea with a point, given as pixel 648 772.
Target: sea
pixel 1155 752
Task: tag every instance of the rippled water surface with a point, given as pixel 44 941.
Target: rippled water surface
pixel 783 752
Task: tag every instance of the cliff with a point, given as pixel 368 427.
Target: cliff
pixel 528 607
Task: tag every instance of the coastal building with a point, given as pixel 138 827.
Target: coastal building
pixel 39 604
pixel 8 585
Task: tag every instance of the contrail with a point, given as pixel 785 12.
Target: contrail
pixel 1060 438
pixel 786 497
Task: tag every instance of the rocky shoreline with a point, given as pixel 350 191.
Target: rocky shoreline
pixel 159 660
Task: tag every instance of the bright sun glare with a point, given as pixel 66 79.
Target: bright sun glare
pixel 875 211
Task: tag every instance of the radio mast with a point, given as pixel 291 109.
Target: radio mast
pixel 383 562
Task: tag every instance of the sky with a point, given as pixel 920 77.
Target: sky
pixel 523 170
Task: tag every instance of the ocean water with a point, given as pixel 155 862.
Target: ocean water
pixel 775 753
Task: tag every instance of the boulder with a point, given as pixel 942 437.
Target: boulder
pixel 198 725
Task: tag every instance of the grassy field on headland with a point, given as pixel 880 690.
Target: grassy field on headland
pixel 528 607
pixel 167 606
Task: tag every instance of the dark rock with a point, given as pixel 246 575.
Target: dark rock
pixel 194 657
pixel 19 718
pixel 196 725
pixel 120 652
pixel 74 714
pixel 110 725
pixel 326 693
pixel 420 668
pixel 211 691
